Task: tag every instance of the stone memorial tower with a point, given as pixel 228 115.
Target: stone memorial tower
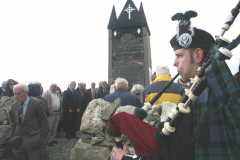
pixel 129 50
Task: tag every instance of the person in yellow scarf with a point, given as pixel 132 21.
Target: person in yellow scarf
pixel 172 94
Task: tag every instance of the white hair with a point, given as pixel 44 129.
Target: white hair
pixel 162 69
pixel 121 82
pixel 137 89
pixel 23 86
pixel 112 88
pixel 80 84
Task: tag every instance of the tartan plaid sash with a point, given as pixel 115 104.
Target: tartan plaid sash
pixel 224 136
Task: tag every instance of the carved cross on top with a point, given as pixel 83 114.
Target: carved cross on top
pixel 129 11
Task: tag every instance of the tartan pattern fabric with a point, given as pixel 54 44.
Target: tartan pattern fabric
pixel 224 136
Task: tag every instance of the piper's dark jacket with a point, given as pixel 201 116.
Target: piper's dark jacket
pixel 180 148
pixel 218 105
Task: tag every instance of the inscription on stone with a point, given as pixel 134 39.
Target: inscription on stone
pixel 130 74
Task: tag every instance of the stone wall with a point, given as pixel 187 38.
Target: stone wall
pixel 5 130
pixel 5 107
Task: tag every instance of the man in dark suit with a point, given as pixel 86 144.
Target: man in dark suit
pixel 84 100
pixel 104 90
pixel 122 93
pixel 71 108
pixel 30 125
pixel 92 92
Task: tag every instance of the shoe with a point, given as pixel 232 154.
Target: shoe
pixel 54 141
pixel 68 137
pixel 50 144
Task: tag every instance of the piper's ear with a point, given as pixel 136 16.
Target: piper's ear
pixel 199 55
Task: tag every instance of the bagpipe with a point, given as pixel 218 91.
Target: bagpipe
pixel 220 50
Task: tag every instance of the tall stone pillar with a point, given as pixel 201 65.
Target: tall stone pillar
pixel 129 46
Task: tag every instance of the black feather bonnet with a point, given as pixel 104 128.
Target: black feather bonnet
pixel 187 36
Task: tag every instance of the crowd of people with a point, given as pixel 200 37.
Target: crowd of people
pixel 64 110
pixel 52 111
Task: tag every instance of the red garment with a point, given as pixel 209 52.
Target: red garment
pixel 140 133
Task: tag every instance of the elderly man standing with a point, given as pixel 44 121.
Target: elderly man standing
pixel 92 92
pixel 54 106
pixel 121 92
pixel 71 108
pixel 83 102
pixel 30 125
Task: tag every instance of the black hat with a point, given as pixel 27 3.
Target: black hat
pixel 187 36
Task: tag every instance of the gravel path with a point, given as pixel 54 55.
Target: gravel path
pixel 62 150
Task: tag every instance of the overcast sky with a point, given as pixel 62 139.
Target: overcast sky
pixel 64 40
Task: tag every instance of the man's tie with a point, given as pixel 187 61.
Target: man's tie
pixel 20 113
